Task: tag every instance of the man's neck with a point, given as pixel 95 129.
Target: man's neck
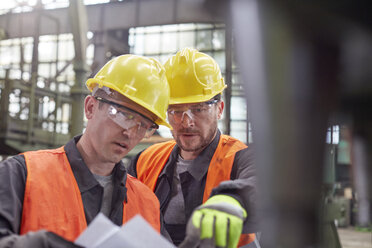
pixel 92 161
pixel 185 155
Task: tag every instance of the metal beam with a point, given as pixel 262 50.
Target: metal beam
pixel 293 61
pixel 79 25
pixel 111 16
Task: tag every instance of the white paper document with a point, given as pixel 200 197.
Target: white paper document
pixel 136 233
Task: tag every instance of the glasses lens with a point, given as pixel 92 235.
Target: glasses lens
pixel 125 120
pixel 196 111
pixel 149 132
pixel 176 116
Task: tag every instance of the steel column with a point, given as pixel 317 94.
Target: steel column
pixel 78 91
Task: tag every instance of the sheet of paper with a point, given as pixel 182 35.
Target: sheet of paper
pixel 136 233
pixel 100 229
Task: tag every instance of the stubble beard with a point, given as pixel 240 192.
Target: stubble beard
pixel 196 146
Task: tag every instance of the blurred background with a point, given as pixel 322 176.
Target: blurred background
pixel 299 78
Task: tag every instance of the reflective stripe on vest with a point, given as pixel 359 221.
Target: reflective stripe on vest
pixel 152 161
pixel 52 199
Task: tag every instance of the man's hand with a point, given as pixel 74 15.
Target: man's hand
pixel 216 223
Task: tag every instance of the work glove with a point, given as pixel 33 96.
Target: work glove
pixel 216 223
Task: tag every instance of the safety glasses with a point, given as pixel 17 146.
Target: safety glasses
pixel 128 119
pixel 197 111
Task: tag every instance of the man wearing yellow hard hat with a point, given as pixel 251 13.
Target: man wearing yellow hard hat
pixel 205 180
pixel 49 197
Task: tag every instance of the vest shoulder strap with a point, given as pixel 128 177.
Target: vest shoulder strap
pixel 52 198
pixel 141 200
pixel 221 164
pixel 152 161
pixel 220 170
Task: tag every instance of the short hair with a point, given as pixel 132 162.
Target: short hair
pixel 103 92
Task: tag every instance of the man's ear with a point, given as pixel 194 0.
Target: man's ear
pixel 89 106
pixel 220 106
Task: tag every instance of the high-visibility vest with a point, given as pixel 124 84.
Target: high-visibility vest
pixel 53 202
pixel 152 161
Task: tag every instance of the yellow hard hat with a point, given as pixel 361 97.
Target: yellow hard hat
pixel 193 77
pixel 140 79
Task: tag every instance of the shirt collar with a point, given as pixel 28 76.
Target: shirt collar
pixel 83 175
pixel 200 165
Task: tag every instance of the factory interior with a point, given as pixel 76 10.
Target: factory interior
pixel 299 90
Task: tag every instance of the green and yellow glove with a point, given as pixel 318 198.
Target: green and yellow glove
pixel 216 223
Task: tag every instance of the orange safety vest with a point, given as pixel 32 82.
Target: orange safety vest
pixel 152 161
pixel 52 199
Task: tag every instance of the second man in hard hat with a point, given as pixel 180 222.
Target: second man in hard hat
pixel 48 197
pixel 205 181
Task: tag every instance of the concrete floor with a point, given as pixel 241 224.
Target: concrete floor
pixel 354 239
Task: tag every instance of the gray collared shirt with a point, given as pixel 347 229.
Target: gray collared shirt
pixel 175 212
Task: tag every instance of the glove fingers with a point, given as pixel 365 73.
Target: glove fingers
pixel 207 226
pixel 213 228
pixel 228 239
pixel 222 230
pixel 197 218
pixel 235 229
pixel 200 232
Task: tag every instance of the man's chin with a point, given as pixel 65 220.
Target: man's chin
pixel 116 158
pixel 189 147
pixel 188 143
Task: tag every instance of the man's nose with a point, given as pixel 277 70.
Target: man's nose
pixel 187 118
pixel 131 129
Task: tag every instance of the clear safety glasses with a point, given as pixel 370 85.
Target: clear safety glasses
pixel 127 118
pixel 197 111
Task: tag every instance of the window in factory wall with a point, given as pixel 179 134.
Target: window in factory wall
pixel 16 55
pixel 239 117
pixel 17 6
pixel 10 56
pixel 333 134
pixel 55 77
